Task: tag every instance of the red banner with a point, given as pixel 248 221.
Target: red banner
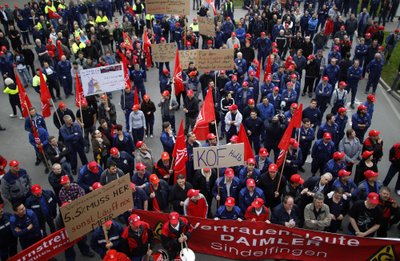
pixel 258 240
pixel 46 248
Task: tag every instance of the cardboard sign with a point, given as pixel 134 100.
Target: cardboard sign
pixel 187 56
pixel 45 249
pixel 206 26
pixel 103 79
pixel 92 210
pixel 216 59
pixel 177 7
pixel 163 52
pixel 219 156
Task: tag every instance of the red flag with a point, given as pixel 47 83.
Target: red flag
pixel 59 49
pixel 146 48
pixel 212 4
pixel 206 115
pixel 156 206
pixel 136 97
pixel 44 96
pixel 268 68
pixel 178 82
pixel 23 97
pixel 124 61
pixel 258 72
pixel 180 153
pixel 243 138
pixel 78 91
pixel 127 40
pixel 53 15
pixel 36 136
pixel 296 118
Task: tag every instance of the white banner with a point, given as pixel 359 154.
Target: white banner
pixel 221 156
pixel 103 79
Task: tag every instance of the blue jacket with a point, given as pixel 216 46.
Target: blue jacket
pixel 223 213
pixel 38 121
pixel 44 206
pixel 243 175
pixel 354 75
pixel 125 162
pixel 357 119
pixel 312 24
pixel 266 112
pixel 336 55
pixel 323 93
pixel 332 72
pixel 242 66
pixel 321 152
pixel 43 135
pixel 263 45
pixel 234 189
pixel 245 199
pixel 333 130
pixel 314 115
pixel 98 241
pixel 280 215
pixel 167 142
pixel 6 235
pixel 165 83
pixel 289 97
pixel 370 108
pixel 276 101
pixel 232 87
pixel 333 168
pixel 127 101
pixel 308 135
pixel 239 97
pixel 64 69
pixel 374 68
pixel 341 124
pixel 22 223
pixel 267 88
pixel 227 28
pixel 360 52
pixel 138 78
pixel 241 34
pixel 263 168
pixel 86 178
pixel 350 187
pixel 72 135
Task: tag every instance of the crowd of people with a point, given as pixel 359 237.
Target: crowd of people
pixel 283 51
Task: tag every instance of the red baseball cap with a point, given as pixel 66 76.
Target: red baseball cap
pixel 327 136
pixel 251 102
pixel 154 179
pixel 36 189
pixel 294 143
pixel 366 154
pixel 294 105
pixel 234 138
pixel 251 161
pixel 140 166
pixel 374 133
pixel 343 83
pixel 371 97
pixel 342 109
pixel 64 180
pixel 114 151
pixel 193 193
pixel 14 163
pixel 135 107
pixel 362 107
pixel 229 172
pixel 233 107
pixel 93 166
pixel 134 220
pixel 325 78
pixel 230 202
pixel 139 144
pixel 344 173
pixel 252 73
pixel 173 218
pixel 250 183
pixel 211 136
pixel 165 156
pixel 373 198
pixel 165 93
pixel 272 167
pixel 338 155
pixel 96 185
pixel 370 174
pixel 263 152
pixel 293 75
pixel 296 178
pixel 257 203
pixel 62 105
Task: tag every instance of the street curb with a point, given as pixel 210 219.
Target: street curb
pixel 396 95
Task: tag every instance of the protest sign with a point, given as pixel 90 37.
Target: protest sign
pixel 163 52
pixel 177 7
pixel 206 26
pixel 90 211
pixel 102 79
pixel 259 241
pixel 188 56
pixel 45 249
pixel 215 59
pixel 218 156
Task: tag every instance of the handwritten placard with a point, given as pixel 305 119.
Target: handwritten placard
pixel 178 7
pixel 219 156
pixel 188 56
pixel 215 59
pixel 206 26
pixel 163 52
pixel 94 209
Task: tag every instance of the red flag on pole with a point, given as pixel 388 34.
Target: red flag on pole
pixel 206 115
pixel 180 153
pixel 136 97
pixel 178 82
pixel 59 49
pixel 146 48
pixel 243 138
pixel 44 96
pixel 127 40
pixel 268 68
pixel 124 61
pixel 36 136
pixel 53 15
pixel 296 119
pixel 23 97
pixel 258 72
pixel 78 91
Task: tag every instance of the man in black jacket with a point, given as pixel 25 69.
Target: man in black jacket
pixel 58 153
pixel 191 109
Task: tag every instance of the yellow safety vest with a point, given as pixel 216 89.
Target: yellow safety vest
pixel 10 91
pixel 103 19
pixel 36 80
pixel 52 8
pixel 149 17
pixel 195 27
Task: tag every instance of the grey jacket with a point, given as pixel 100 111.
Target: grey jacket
pixel 352 151
pixel 106 177
pixel 164 104
pixel 137 120
pixel 13 187
pixel 322 221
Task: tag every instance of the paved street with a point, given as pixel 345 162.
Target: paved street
pixel 14 142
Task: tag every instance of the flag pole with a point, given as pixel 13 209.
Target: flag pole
pixel 218 189
pixel 281 174
pixel 55 111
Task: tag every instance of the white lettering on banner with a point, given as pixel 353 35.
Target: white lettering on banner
pixel 218 156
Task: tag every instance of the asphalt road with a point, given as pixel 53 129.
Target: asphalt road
pixel 14 141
